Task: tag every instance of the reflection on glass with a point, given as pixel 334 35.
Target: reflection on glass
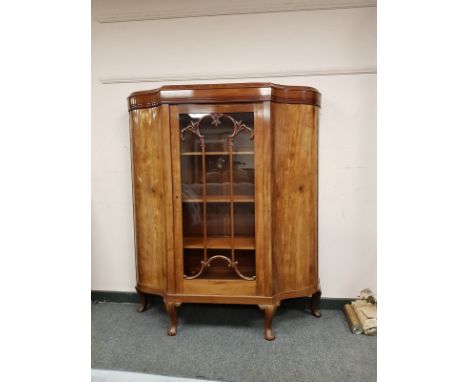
pixel 243 174
pixel 192 219
pixel 191 174
pixel 217 175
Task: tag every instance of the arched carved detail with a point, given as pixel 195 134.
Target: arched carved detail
pixel 194 126
pixel 230 263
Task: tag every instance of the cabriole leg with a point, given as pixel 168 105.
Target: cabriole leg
pixel 171 311
pixel 269 311
pixel 314 302
pixel 144 304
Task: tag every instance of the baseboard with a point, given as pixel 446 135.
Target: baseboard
pixel 132 297
pixel 111 296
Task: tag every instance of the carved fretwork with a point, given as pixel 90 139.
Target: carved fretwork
pixel 230 263
pixel 240 127
pixel 194 127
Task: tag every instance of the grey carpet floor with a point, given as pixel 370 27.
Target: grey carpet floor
pixel 225 343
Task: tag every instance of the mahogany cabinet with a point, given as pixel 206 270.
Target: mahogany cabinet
pixel 225 195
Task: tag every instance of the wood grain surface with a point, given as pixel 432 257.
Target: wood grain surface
pixel 294 228
pixel 148 169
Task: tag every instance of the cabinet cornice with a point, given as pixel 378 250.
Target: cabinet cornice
pixel 224 93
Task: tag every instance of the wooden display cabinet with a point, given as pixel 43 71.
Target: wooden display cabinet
pixel 225 195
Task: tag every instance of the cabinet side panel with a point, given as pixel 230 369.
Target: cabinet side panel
pixel 294 230
pixel 263 197
pixel 149 201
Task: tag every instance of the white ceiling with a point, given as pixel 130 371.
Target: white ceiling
pixel 108 11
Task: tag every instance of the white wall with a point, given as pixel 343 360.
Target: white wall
pixel 332 50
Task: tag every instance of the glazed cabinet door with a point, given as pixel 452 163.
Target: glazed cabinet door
pixel 215 169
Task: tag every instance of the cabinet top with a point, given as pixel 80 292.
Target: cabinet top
pixel 224 93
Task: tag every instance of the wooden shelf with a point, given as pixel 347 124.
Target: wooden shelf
pixel 220 242
pixel 194 153
pixel 222 199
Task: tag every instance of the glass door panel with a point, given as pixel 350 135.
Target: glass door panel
pixel 218 210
